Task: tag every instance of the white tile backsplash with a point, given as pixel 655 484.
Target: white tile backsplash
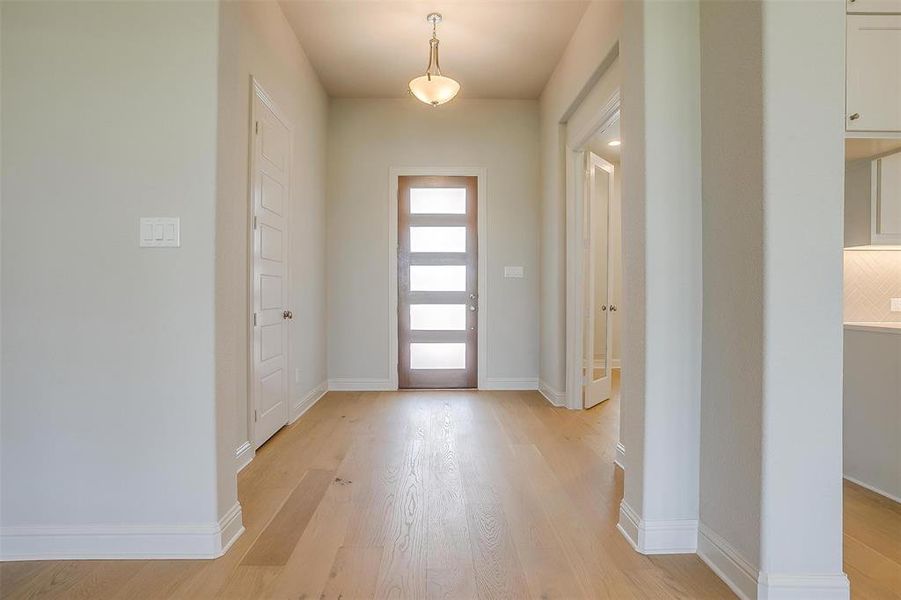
pixel 872 279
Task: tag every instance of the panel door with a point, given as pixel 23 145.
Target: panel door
pixel 437 281
pixel 270 188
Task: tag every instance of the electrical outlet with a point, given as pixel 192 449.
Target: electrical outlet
pixel 896 304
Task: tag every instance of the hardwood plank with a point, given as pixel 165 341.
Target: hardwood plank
pixel 498 570
pixel 277 541
pixel 354 573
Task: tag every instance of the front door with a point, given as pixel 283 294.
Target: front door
pixel 437 280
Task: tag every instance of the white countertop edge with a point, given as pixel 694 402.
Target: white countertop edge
pixel 877 327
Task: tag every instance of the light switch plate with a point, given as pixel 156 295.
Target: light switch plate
pixel 160 232
pixel 513 272
pixel 896 305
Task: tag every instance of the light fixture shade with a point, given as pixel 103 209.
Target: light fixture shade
pixel 434 90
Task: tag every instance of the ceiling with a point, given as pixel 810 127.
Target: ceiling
pixel 599 143
pixel 494 48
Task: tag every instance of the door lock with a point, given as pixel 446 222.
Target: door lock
pixel 604 307
pixel 287 315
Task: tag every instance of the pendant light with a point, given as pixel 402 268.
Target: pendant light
pixel 433 88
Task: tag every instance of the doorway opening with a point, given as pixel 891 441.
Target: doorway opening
pixel 594 259
pixel 438 295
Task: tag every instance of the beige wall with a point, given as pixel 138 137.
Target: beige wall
pixel 108 349
pixel 366 139
pixel 258 42
pixel 872 279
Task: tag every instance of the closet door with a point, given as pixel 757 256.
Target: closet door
pixel 873 78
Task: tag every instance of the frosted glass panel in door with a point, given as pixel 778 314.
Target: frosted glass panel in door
pixel 437 356
pixel 599 264
pixel 438 317
pixel 438 201
pixel 438 278
pixel 437 239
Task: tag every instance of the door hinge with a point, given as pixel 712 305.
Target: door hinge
pixel 254 221
pixel 254 319
pixel 256 127
pixel 254 415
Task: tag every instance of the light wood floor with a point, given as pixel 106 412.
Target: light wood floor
pixel 436 495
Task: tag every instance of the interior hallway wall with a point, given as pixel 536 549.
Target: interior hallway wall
pixel 594 40
pixel 108 349
pixel 258 41
pixel 366 139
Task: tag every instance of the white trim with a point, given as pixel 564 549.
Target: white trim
pixel 481 174
pixel 826 586
pixel 555 397
pixel 307 402
pixel 657 537
pixel 873 488
pixel 103 542
pixel 620 458
pixel 749 583
pixel 501 383
pixel 728 563
pixel 244 454
pixel 353 384
pixel 575 287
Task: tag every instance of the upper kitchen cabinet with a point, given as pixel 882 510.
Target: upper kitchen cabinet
pixel 885 213
pixel 873 69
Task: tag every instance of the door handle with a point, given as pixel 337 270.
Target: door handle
pixel 287 315
pixel 854 117
pixel 604 307
pixel 472 308
pixel 613 308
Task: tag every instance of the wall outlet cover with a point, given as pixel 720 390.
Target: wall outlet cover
pixel 514 272
pixel 896 305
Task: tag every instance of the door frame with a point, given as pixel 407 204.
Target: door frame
pixel 575 285
pixel 480 173
pixel 257 89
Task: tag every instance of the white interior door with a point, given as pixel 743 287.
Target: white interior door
pixel 271 178
pixel 598 349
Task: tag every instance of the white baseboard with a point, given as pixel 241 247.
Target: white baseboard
pixel 826 586
pixel 348 384
pixel 724 560
pixel 620 458
pixel 553 396
pixel 42 542
pixel 873 488
pixel 307 402
pixel 749 583
pixel 499 383
pixel 658 537
pixel 243 455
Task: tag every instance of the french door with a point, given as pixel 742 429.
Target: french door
pixel 598 349
pixel 437 281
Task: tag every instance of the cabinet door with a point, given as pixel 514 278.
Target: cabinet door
pixel 886 208
pixel 873 83
pixel 873 6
